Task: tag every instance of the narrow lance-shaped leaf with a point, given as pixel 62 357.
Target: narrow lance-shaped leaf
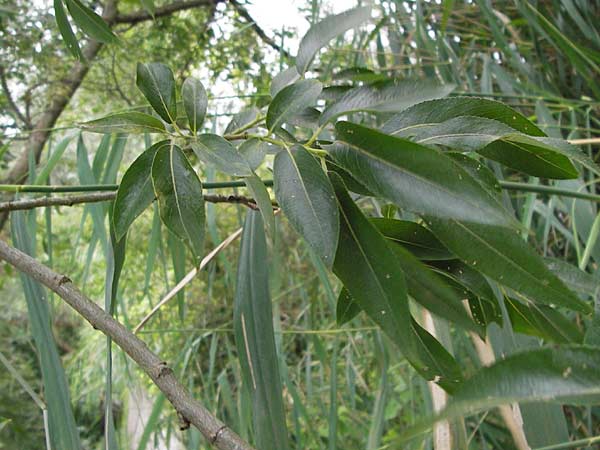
pixel 346 307
pixel 263 200
pixel 254 336
pixel 195 102
pixel 371 272
pixel 290 100
pixel 180 200
pixel 90 23
pixel 542 321
pixel 306 197
pixel 385 97
pixel 135 191
pixel 561 374
pixel 501 254
pixel 61 422
pixel 156 82
pixel 414 237
pixel 420 179
pixel 536 156
pixel 435 111
pixel 65 29
pixel 321 33
pixel 213 149
pixel 128 122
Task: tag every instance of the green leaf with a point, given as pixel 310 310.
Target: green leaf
pixel 263 200
pixel 216 151
pixel 126 122
pixel 371 272
pixel 501 254
pixel 530 156
pixel 322 32
pixel 291 100
pixel 352 184
pixel 418 178
pixel 65 29
pixel 254 150
pixel 432 292
pixel 156 82
pixel 180 200
pixel 306 197
pixel 436 111
pixel 254 337
pixel 242 119
pixel 135 191
pixel 195 102
pixel 346 308
pixel 561 374
pixel 542 321
pixel 575 278
pixel 385 97
pixel 283 79
pixel 538 156
pixel 57 153
pixel 61 422
pixel 413 237
pixel 90 23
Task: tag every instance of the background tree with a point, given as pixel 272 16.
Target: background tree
pixel 340 382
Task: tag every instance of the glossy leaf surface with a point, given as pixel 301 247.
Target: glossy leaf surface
pixel 180 200
pixel 306 197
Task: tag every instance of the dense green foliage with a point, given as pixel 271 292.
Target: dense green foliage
pixel 384 252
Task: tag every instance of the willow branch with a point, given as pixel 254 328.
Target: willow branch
pixel 258 30
pixel 95 197
pixel 167 10
pixel 215 431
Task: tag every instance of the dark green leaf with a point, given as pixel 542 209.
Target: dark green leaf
pixel 418 178
pixel 502 254
pixel 254 337
pixel 432 292
pixel 65 29
pixel 321 33
pixel 194 102
pixel 127 122
pixel 306 197
pixel 484 176
pixel 436 111
pixel 561 374
pixel 291 100
pixel 180 200
pixel 536 156
pixel 214 150
pixel 542 321
pixel 575 278
pixel 242 119
pixel 351 183
pixel 283 79
pixel 414 237
pixel 346 308
pixel 263 200
pixel 254 150
pixel 135 191
pixel 156 82
pixel 388 96
pixel 530 156
pixel 90 23
pixel 371 272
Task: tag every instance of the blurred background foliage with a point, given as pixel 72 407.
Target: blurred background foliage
pixel 344 387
